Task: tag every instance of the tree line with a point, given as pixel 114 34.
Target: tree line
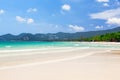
pixel 109 37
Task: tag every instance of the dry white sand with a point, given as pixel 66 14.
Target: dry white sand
pixel 58 64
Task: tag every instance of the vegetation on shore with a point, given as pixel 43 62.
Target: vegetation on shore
pixel 108 37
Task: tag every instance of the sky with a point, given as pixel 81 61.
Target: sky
pixel 52 16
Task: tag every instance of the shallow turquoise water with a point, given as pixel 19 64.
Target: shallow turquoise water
pixel 13 45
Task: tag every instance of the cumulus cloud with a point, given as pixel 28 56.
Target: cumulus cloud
pixel 75 1
pixel 30 20
pixel 106 5
pixel 105 2
pixel 76 28
pixel 2 11
pixel 110 16
pixel 20 19
pixel 24 20
pixel 102 0
pixel 66 7
pixel 106 14
pixel 99 27
pixel 114 21
pixel 32 10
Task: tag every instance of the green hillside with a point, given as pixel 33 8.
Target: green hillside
pixel 109 37
pixel 106 35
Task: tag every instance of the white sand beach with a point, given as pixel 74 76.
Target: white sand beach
pixel 65 63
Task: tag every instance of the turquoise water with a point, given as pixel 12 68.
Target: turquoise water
pixel 13 45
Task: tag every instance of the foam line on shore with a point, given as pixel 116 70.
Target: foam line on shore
pixel 53 61
pixel 45 52
pixel 23 50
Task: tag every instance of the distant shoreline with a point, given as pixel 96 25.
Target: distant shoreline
pixel 111 35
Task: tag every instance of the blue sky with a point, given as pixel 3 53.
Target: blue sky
pixel 51 16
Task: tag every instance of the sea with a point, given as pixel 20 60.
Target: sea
pixel 39 44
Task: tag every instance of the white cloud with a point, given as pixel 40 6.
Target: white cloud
pixel 106 5
pixel 110 16
pixel 20 19
pixel 30 20
pixel 105 2
pixel 106 14
pixel 56 26
pixel 75 1
pixel 113 21
pixel 66 7
pixel 102 0
pixel 32 10
pixel 2 11
pixel 99 27
pixel 25 20
pixel 76 28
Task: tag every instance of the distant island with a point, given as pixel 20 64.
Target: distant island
pixel 102 35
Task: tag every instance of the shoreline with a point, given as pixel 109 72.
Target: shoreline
pixel 9 46
pixel 73 63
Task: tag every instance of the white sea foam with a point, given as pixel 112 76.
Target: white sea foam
pixel 25 50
